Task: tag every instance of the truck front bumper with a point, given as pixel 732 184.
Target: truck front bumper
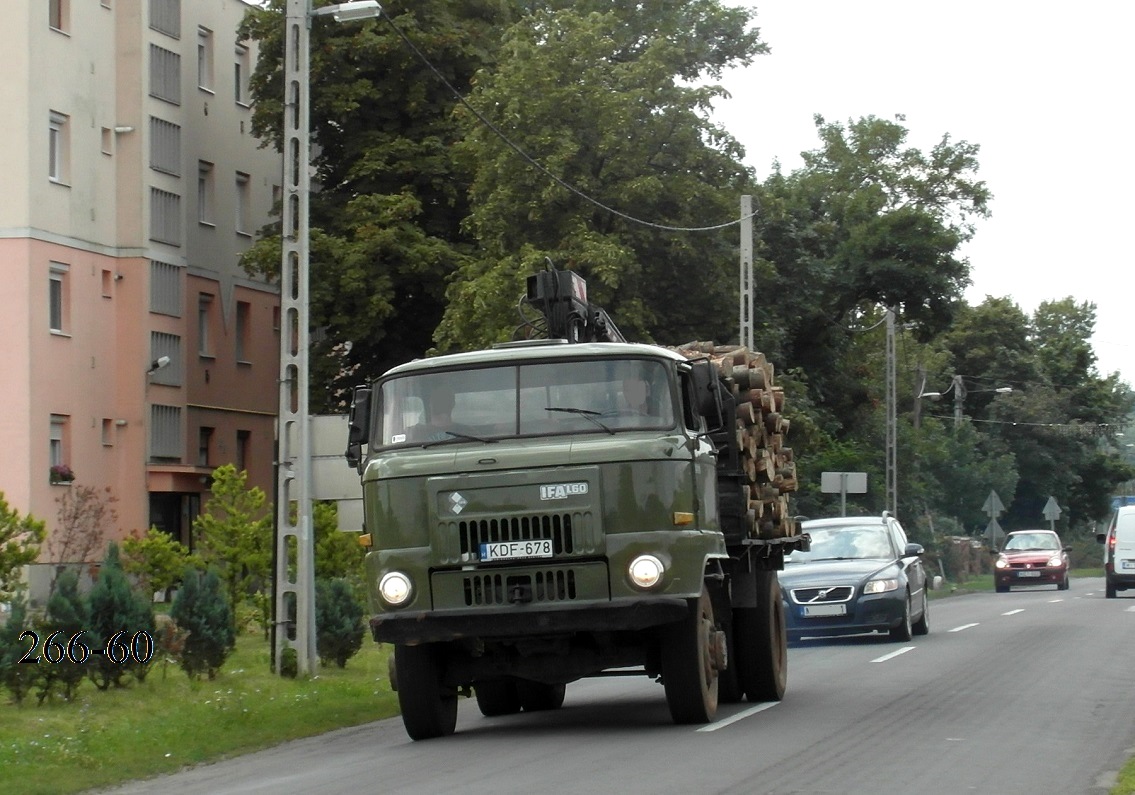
pixel 526 620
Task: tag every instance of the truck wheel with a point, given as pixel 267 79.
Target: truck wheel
pixel 690 661
pixel 762 642
pixel 538 696
pixel 428 709
pixel 499 697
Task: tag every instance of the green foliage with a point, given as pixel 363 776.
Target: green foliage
pixel 17 678
pixel 235 539
pixel 156 559
pixel 338 621
pixel 67 615
pixel 337 553
pixel 202 610
pixel 20 540
pixel 117 608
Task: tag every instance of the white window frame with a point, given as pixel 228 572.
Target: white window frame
pixel 206 193
pixel 59 15
pixel 57 298
pixel 57 441
pixel 243 204
pixel 204 315
pixel 58 138
pixel 205 59
pixel 242 71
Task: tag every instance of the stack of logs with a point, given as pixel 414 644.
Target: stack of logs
pixel 769 472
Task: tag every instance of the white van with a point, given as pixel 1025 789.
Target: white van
pixel 1119 550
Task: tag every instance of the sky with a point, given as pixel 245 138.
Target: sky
pixel 1045 90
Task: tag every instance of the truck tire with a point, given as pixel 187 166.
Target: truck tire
pixel 428 709
pixel 762 642
pixel 498 697
pixel 689 664
pixel 729 690
pixel 538 696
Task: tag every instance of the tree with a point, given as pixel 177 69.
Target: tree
pixel 202 610
pixel 118 615
pixel 387 218
pixel 20 539
pixel 18 678
pixel 85 516
pixel 157 559
pixel 338 621
pixel 570 84
pixel 337 553
pixel 66 617
pixel 235 538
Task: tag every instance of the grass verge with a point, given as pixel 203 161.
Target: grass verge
pixel 167 722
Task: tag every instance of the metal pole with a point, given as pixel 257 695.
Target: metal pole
pixel 745 337
pixel 295 565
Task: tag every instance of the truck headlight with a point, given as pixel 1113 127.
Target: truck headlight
pixel 645 571
pixel 395 588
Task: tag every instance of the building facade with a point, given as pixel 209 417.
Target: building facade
pixel 139 354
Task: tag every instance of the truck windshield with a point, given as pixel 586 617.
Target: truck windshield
pixel 491 403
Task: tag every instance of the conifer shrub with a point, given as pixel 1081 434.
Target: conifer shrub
pixel 201 609
pixel 64 642
pixel 19 679
pixel 339 627
pixel 121 624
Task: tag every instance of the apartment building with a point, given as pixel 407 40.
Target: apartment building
pixel 138 354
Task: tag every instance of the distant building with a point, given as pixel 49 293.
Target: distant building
pixel 136 351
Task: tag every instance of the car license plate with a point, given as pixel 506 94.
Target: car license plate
pixel 517 550
pixel 811 611
pixel 1128 564
pixel 1028 573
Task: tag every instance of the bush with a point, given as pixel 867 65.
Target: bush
pixel 18 679
pixel 118 614
pixel 339 624
pixel 201 609
pixel 67 615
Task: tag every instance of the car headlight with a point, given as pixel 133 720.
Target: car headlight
pixel 645 571
pixel 395 588
pixel 881 586
pixel 1055 561
pixel 1001 563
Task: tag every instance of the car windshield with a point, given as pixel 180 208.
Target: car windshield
pixel 845 542
pixel 487 404
pixel 1024 541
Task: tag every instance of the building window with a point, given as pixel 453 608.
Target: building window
pixel 243 199
pixel 165 17
pixel 165 433
pixel 205 191
pixel 58 297
pixel 205 59
pixel 107 140
pixel 58 15
pixel 58 143
pixel 58 442
pixel 243 447
pixel 107 432
pixel 165 288
pixel 241 72
pixel 165 217
pixel 165 146
pixel 169 345
pixel 204 315
pixel 243 313
pixel 165 74
pixel 107 283
pixel 204 443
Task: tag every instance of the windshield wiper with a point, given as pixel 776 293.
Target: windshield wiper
pixel 587 414
pixel 455 435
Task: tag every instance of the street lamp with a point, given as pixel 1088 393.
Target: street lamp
pixel 295 564
pixel 958 387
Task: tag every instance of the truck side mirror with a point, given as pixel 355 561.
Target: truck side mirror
pixel 707 393
pixel 358 424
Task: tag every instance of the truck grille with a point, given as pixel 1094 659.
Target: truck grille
pixel 501 588
pixel 557 527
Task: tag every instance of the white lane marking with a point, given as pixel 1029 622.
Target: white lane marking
pixel 721 724
pixel 1129 610
pixel 1054 601
pixel 963 626
pixel 1014 612
pixel 893 654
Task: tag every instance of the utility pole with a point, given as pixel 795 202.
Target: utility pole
pixel 959 398
pixel 892 422
pixel 745 320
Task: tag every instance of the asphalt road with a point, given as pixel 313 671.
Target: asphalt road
pixel 1027 692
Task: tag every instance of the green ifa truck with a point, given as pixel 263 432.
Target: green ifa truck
pixel 575 506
